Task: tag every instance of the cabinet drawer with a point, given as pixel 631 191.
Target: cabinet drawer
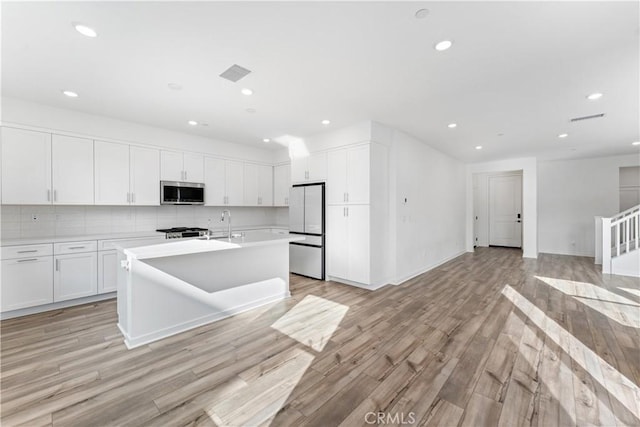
pixel 26 251
pixel 26 282
pixel 75 247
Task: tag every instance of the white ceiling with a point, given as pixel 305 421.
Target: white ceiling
pixel 518 68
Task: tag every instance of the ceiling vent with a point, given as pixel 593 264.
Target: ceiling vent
pixel 595 116
pixel 235 73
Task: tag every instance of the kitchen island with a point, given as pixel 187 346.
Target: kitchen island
pixel 168 288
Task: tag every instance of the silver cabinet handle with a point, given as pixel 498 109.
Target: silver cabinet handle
pixel 76 247
pixel 28 252
pixel 128 198
pixel 347 211
pixel 57 265
pixel 55 195
pixel 49 195
pixel 28 260
pixel 185 175
pixel 344 211
pixel 133 197
pixel 347 195
pixel 344 197
pixel 286 200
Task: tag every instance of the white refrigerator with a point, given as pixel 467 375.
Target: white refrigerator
pixel 306 218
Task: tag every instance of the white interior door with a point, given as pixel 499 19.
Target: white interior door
pixel 505 210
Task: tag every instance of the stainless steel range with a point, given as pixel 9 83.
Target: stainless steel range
pixel 182 232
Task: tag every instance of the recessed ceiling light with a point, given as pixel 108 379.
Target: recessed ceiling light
pixel 635 143
pixel 250 110
pixel 70 93
pixel 478 147
pixel 193 123
pixel 84 30
pixel 326 122
pixel 266 140
pixel 175 86
pixel 247 91
pixel 443 45
pixel 594 96
pixel 422 13
pixel 452 125
pixel 563 135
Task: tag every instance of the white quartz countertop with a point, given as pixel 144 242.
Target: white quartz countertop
pixel 112 236
pixel 193 246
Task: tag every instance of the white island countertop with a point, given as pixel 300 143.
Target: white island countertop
pixel 134 249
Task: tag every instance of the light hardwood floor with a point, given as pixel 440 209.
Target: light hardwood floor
pixel 486 339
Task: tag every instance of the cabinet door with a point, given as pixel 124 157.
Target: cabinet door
pixel 317 167
pixel 299 169
pixel 358 243
pixel 337 177
pixel 265 185
pixel 26 167
pixel 107 271
pixel 193 167
pixel 144 176
pixel 281 184
pixel 337 241
pixel 171 166
pixel 75 276
pixel 358 176
pixel 72 170
pixel 251 193
pixel 214 177
pixel 234 182
pixel 26 282
pixel 112 173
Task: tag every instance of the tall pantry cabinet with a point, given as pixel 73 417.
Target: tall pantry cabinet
pixel 357 214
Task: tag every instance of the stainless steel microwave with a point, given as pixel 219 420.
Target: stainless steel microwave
pixel 181 193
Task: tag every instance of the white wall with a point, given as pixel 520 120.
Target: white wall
pixel 570 194
pixel 529 200
pixel 20 112
pixel 428 206
pixel 17 221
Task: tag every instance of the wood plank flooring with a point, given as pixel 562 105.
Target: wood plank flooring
pixel 488 339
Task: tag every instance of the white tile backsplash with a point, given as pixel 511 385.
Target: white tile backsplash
pixel 17 221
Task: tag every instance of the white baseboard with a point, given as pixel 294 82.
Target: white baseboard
pixel 416 273
pixel 55 306
pixel 371 287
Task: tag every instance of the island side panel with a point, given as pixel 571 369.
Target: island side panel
pixel 161 304
pixel 224 269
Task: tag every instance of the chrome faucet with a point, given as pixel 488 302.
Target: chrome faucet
pixel 228 223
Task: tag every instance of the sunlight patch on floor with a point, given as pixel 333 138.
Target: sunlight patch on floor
pixel 616 307
pixel 616 384
pixel 266 392
pixel 312 321
pixel 635 292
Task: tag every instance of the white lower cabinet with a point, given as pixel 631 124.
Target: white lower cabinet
pixel 107 271
pixel 26 282
pixel 348 238
pixel 75 276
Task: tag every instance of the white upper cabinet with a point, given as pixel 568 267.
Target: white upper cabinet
pixel 224 182
pixel 281 184
pixel 111 174
pixel 193 167
pixel 178 166
pixel 310 168
pixel 171 166
pixel 258 185
pixel 144 176
pixel 126 175
pixel 348 176
pixel 234 183
pixel 214 182
pixel 72 165
pixel 26 167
